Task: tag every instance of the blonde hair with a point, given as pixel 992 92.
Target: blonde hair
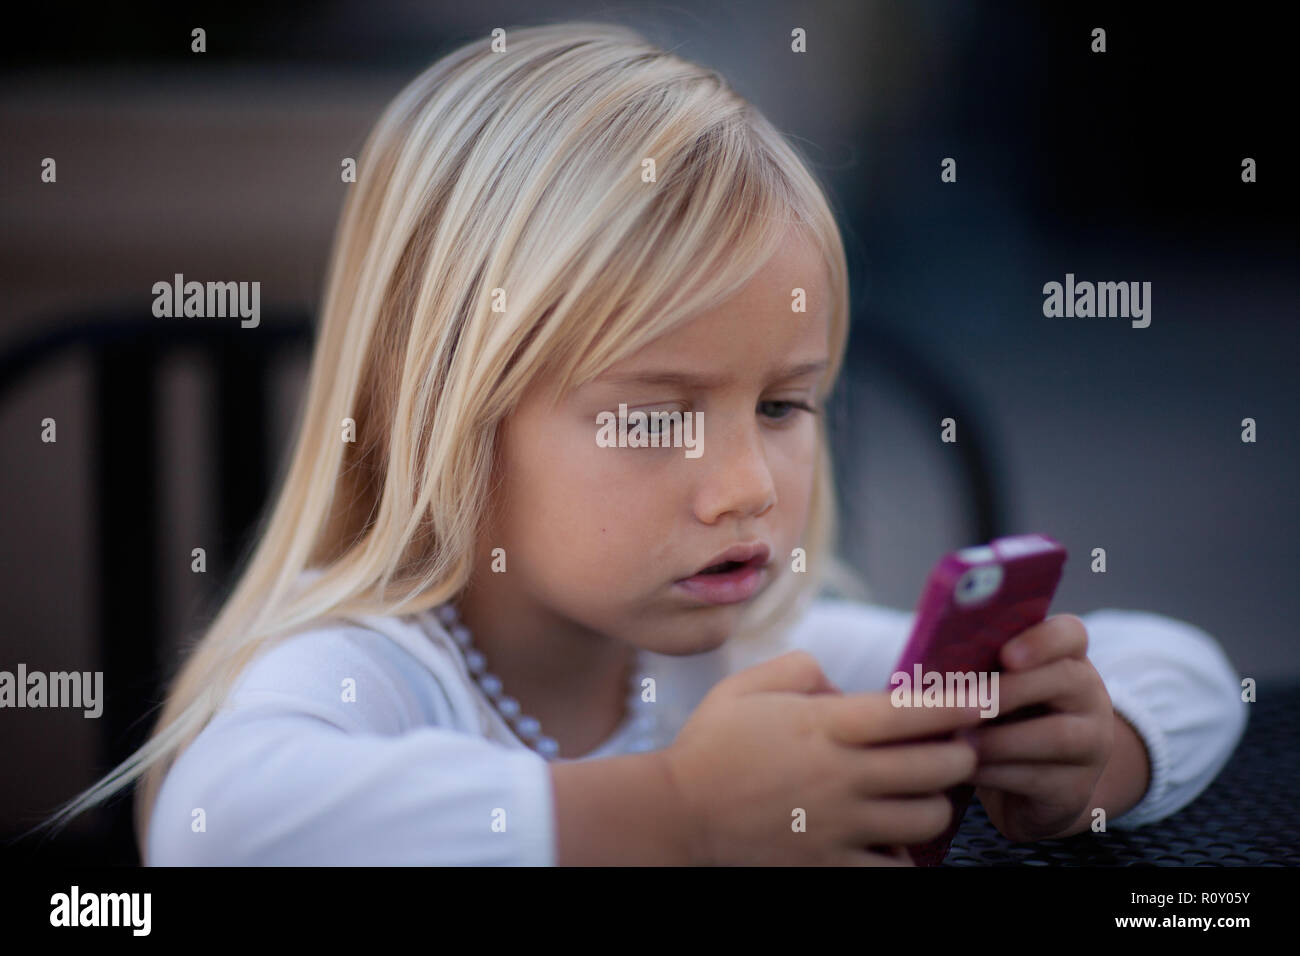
pixel 518 171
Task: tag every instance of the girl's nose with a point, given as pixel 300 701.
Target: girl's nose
pixel 736 479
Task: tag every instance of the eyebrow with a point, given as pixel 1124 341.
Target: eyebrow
pixel 671 377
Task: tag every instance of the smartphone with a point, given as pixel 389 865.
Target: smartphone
pixel 975 600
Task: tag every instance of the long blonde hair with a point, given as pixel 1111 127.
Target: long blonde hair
pixel 517 171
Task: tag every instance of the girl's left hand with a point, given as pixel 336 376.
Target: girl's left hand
pixel 1036 776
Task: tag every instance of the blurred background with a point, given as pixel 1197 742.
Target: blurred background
pixel 1121 166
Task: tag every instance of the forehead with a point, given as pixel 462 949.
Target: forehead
pixel 758 328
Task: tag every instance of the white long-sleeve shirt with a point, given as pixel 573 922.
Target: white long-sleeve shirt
pixel 419 769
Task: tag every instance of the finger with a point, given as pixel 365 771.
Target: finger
pixel 1066 684
pixel 870 857
pixel 796 671
pixel 1039 781
pixel 1059 738
pixel 901 769
pixel 1062 635
pixel 859 719
pixel 895 855
pixel 899 820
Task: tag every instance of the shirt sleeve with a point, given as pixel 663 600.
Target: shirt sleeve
pixel 1174 684
pixel 856 644
pixel 1170 680
pixel 290 773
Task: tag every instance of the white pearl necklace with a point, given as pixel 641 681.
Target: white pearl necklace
pixel 529 729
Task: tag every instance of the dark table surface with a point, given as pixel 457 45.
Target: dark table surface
pixel 1246 817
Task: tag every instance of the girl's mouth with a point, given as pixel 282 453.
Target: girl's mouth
pixel 727 583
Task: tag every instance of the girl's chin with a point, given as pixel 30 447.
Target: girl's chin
pixel 687 642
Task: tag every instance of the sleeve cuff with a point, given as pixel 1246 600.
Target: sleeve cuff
pixel 1150 807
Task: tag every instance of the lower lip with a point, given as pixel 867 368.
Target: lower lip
pixel 739 584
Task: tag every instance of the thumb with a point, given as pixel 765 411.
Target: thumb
pixel 795 671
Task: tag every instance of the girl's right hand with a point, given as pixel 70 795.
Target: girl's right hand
pixel 779 736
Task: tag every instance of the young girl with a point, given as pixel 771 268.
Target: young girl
pixel 473 632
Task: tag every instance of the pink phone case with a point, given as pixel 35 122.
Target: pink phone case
pixel 975 600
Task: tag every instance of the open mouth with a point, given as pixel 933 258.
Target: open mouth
pixel 733 580
pixel 726 566
pixel 737 559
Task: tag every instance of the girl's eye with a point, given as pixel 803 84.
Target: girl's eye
pixel 655 420
pixel 780 411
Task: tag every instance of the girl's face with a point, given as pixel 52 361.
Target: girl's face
pixel 599 537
